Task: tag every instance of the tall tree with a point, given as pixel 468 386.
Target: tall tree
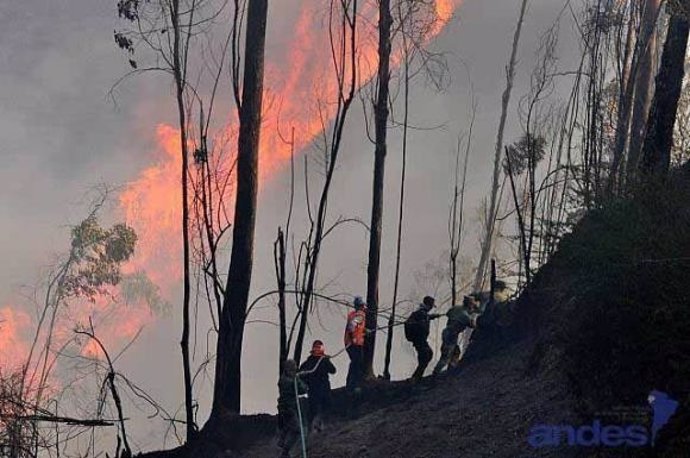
pixel 342 23
pixel 628 62
pixel 656 152
pixel 643 81
pixel 179 67
pixel 381 126
pixel 172 56
pixel 227 388
pixel 490 223
pixel 401 207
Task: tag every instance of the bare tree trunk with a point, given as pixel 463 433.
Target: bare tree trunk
pixel 279 259
pixel 227 386
pixel 381 126
pixel 280 255
pixel 179 67
pixel 625 95
pixel 669 82
pixel 401 209
pixel 643 84
pixel 457 213
pixel 498 154
pixel 346 95
pixel 524 251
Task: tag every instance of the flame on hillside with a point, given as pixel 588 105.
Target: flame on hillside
pixel 301 97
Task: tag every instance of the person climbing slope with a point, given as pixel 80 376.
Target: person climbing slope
pixel 290 390
pixel 315 372
pixel 355 330
pixel 417 332
pixel 459 319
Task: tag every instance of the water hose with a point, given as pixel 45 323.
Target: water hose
pixel 301 423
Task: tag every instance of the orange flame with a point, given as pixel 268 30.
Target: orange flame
pixel 151 203
pixel 14 325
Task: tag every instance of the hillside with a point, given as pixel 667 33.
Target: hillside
pixel 602 325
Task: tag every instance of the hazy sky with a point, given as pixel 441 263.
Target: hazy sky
pixel 60 135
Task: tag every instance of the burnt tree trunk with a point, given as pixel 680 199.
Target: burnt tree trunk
pixel 279 260
pixel 381 125
pixel 348 24
pixel 656 152
pixel 401 208
pixel 227 388
pixel 179 68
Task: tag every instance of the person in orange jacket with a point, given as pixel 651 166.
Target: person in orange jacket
pixel 355 331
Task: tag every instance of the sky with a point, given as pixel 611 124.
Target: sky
pixel 61 134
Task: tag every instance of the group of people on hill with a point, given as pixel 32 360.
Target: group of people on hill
pixel 459 318
pixel 305 391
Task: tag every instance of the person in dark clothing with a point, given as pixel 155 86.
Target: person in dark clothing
pixel 291 390
pixel 417 331
pixel 459 319
pixel 315 372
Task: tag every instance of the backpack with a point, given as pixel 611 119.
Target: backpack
pixel 413 328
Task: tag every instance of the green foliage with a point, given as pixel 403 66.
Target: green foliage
pixel 625 267
pixel 138 287
pixel 128 9
pixel 96 257
pixel 528 148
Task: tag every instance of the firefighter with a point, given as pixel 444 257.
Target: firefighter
pixel 355 330
pixel 417 332
pixel 291 390
pixel 459 319
pixel 315 371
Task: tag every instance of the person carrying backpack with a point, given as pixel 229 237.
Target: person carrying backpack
pixel 417 332
pixel 315 372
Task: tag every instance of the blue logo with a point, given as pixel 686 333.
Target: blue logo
pixel 664 407
pixel 598 434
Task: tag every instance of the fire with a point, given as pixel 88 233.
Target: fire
pixel 14 325
pixel 115 324
pixel 301 97
pixel 152 204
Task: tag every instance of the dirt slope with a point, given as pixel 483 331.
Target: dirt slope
pixel 483 411
pixel 603 324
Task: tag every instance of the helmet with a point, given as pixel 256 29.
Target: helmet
pixel 359 302
pixel 429 301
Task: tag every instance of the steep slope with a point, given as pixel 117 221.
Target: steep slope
pixel 483 410
pixel 603 324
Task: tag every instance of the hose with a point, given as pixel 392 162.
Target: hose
pixel 301 422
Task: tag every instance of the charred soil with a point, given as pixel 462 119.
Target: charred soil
pixel 603 323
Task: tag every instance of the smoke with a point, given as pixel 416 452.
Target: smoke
pixel 301 94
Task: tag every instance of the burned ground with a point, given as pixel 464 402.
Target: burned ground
pixel 602 324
